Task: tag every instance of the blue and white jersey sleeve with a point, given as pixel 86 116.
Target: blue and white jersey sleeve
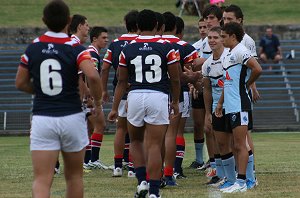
pixel 249 43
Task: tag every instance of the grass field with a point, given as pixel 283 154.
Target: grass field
pixel 277 168
pixel 24 13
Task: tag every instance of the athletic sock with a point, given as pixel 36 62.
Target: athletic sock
pixel 88 153
pixel 219 166
pixel 118 161
pixel 154 187
pixel 212 163
pixel 199 150
pixel 168 172
pixel 140 174
pixel 96 145
pixel 180 149
pixel 126 149
pixel 228 162
pixel 250 168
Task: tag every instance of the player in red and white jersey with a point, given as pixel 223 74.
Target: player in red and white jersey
pixel 184 56
pixel 79 28
pixel 99 40
pixel 112 59
pixel 48 69
pixel 150 65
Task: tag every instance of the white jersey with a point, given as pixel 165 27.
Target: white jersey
pixel 198 45
pixel 249 43
pixel 205 50
pixel 213 69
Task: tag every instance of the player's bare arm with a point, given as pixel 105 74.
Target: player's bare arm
pixel 104 79
pixel 23 81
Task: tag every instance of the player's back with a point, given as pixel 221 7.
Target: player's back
pixel 52 62
pixel 147 59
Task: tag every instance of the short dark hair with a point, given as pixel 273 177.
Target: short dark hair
pixel 56 15
pixel 216 29
pixel 160 20
pixel 212 9
pixel 170 21
pixel 234 28
pixel 96 31
pixel 201 20
pixel 131 21
pixel 179 25
pixel 76 20
pixel 238 13
pixel 146 20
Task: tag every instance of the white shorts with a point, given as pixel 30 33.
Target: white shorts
pixel 186 105
pixel 65 133
pixel 122 111
pixel 150 107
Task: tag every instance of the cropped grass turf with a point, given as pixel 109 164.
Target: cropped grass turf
pixel 277 168
pixel 24 13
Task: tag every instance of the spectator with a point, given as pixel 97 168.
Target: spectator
pixel 270 48
pixel 216 2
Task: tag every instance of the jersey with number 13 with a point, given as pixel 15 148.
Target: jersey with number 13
pixel 147 59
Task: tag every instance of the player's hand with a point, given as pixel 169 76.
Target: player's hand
pixel 112 116
pixel 255 95
pixel 208 122
pixel 218 110
pixel 174 107
pixel 105 97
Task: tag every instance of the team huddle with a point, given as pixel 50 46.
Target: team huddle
pixel 157 74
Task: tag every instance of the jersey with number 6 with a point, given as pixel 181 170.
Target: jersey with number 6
pixel 52 61
pixel 147 59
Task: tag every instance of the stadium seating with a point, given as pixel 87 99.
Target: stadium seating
pixel 278 108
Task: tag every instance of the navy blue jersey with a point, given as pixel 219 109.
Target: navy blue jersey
pixel 112 54
pixel 186 53
pixel 147 59
pixel 95 57
pixel 52 61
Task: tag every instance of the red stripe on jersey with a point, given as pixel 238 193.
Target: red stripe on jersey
pixel 171 57
pixel 172 40
pixel 108 56
pixel 126 38
pixel 84 55
pixel 24 59
pixel 49 39
pixel 122 60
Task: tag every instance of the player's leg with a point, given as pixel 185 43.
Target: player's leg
pixel 136 128
pixel 44 146
pixel 73 143
pixel 157 120
pixel 180 141
pixel 96 141
pixel 119 145
pixel 74 173
pixel 198 112
pixel 43 165
pixel 239 124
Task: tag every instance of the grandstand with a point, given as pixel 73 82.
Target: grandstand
pixel 278 108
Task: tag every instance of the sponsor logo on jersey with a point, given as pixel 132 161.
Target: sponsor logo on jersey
pixel 208 70
pixel 125 43
pixel 221 83
pixel 106 55
pixel 245 118
pixel 145 48
pixel 50 49
pixel 227 76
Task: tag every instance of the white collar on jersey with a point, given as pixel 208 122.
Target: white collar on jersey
pixel 168 36
pixel 129 35
pixel 94 48
pixel 145 37
pixel 56 35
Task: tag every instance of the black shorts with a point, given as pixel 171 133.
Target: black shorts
pixel 219 124
pixel 234 120
pixel 199 102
